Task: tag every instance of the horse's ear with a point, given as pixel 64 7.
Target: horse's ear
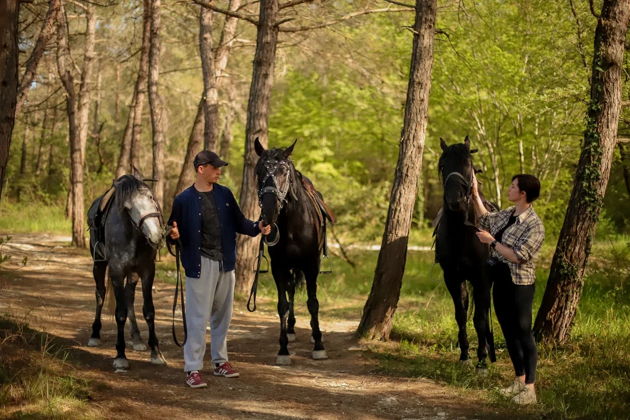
pixel 467 142
pixel 258 147
pixel 287 152
pixel 443 144
pixel 136 173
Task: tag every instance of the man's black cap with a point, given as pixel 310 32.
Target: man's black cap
pixel 206 157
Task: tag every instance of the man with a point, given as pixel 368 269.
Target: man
pixel 206 218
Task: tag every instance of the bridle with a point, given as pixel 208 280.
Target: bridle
pixel 467 182
pixel 271 167
pixel 158 214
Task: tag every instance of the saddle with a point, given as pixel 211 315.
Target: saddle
pixel 97 215
pixel 318 200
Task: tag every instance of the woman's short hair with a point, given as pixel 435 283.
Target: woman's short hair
pixel 530 184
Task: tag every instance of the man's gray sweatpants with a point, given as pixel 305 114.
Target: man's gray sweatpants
pixel 208 298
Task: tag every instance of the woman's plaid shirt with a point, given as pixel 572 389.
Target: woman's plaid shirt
pixel 525 237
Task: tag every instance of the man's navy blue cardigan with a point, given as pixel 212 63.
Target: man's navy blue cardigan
pixel 187 213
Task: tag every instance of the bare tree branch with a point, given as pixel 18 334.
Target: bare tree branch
pixel 210 6
pixel 294 3
pixel 341 19
pixel 398 3
pixel 592 6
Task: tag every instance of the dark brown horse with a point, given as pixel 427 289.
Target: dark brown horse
pixel 460 254
pixel 297 214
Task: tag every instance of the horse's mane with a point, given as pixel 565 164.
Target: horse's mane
pixel 126 185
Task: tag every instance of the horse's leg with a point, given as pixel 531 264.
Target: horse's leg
pixel 282 276
pixel 481 296
pixel 118 284
pixel 319 353
pixel 98 270
pixel 130 294
pixel 291 320
pixel 148 310
pixel 457 288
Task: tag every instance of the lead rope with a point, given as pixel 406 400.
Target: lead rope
pixel 179 290
pixel 254 289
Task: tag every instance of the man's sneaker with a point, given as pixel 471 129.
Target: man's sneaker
pixel 193 380
pixel 515 388
pixel 226 369
pixel 526 396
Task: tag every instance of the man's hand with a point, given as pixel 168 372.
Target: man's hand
pixel 484 237
pixel 264 229
pixel 174 234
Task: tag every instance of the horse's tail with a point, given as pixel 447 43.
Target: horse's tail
pixel 110 300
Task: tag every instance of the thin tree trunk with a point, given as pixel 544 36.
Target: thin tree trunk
pixel 566 276
pixel 210 92
pixel 45 35
pixel 130 146
pixel 158 120
pixel 380 307
pixel 625 165
pixel 9 11
pixel 23 157
pixel 40 143
pixel 256 128
pixel 78 108
pixel 195 141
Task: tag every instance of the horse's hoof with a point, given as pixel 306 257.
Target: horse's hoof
pixel 139 346
pixel 291 337
pixel 94 342
pixel 283 360
pixel 482 369
pixel 320 355
pixel 158 361
pixel 121 364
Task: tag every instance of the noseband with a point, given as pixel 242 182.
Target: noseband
pixel 271 166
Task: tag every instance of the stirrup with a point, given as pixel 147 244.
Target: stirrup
pixel 100 252
pixel 328 269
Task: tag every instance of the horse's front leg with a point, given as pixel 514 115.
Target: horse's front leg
pixel 120 362
pixel 281 277
pixel 319 353
pixel 98 270
pixel 459 293
pixel 481 296
pixel 148 310
pixel 291 320
pixel 130 294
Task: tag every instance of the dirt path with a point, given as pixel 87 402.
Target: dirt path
pixel 54 293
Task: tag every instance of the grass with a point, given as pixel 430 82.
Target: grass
pixel 32 217
pixel 34 376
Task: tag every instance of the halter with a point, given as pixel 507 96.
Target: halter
pixel 459 175
pixel 140 222
pixel 271 166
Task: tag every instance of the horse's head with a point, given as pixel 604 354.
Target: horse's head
pixel 136 198
pixel 456 169
pixel 274 173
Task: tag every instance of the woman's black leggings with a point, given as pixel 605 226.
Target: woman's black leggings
pixel 513 306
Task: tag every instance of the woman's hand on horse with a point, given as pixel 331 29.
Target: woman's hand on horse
pixel 174 233
pixel 264 229
pixel 474 185
pixel 484 237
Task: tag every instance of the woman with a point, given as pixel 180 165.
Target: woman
pixel 515 236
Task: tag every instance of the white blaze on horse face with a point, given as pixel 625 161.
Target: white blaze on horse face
pixel 142 203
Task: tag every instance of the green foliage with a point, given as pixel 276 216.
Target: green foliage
pixel 32 217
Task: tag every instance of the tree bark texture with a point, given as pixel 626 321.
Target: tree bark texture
pixel 566 277
pixel 257 127
pixel 195 141
pixel 378 313
pixel 130 146
pixel 9 11
pixel 45 35
pixel 158 116
pixel 78 109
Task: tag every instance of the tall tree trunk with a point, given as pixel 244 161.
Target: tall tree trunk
pixel 45 35
pixel 257 127
pixel 23 157
pixel 9 11
pixel 566 276
pixel 78 109
pixel 158 121
pixel 195 141
pixel 130 146
pixel 380 307
pixel 40 143
pixel 210 91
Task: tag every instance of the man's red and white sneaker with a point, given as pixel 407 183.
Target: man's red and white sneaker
pixel 193 380
pixel 225 369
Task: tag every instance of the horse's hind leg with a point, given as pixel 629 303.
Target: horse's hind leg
pixel 459 293
pixel 319 353
pixel 481 296
pixel 130 294
pixel 148 310
pixel 118 279
pixel 291 320
pixel 98 270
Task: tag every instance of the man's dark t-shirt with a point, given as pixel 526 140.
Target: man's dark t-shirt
pixel 210 229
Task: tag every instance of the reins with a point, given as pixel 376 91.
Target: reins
pixel 179 291
pixel 254 289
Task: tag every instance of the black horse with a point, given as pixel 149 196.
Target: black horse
pixel 125 233
pixel 297 213
pixel 460 254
